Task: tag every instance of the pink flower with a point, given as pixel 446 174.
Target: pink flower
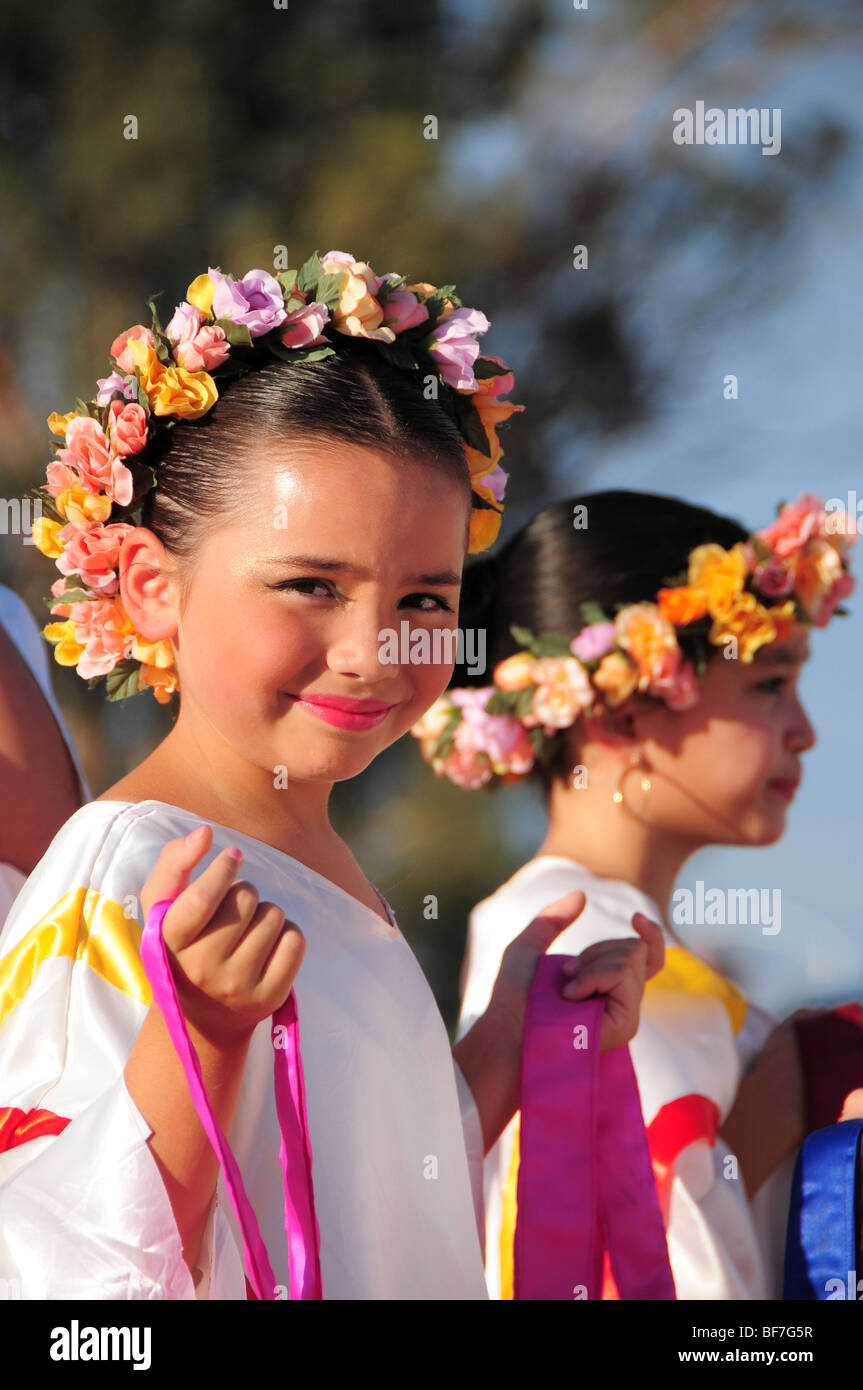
pixel 305 326
pixel 89 453
pixel 794 525
pixel 120 351
pixel 496 482
pixel 115 382
pixel 92 551
pixel 402 310
pixel 196 348
pixel 593 642
pixel 774 579
pixel 843 586
pixel 563 691
pixel 127 427
pixel 106 634
pixel 501 737
pixel 454 347
pixel 465 767
pixel 256 301
pixel 680 689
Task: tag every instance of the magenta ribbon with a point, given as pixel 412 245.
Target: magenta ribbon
pixel 295 1152
pixel 585 1180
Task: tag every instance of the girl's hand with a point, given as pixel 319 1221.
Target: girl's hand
pixel 234 959
pixel 618 970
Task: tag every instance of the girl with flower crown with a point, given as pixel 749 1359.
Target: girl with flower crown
pixel 608 619
pixel 291 465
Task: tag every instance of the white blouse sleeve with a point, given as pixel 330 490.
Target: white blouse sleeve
pixel 84 1213
pixel 473 1141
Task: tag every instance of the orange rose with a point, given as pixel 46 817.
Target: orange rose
pixel 748 622
pixel 650 640
pixel 682 605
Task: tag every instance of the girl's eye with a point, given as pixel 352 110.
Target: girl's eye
pixel 774 686
pixel 304 586
pixel 439 605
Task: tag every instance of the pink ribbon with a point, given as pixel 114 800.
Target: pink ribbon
pixel 585 1180
pixel 295 1152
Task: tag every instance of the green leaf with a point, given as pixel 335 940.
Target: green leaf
pixel 760 548
pixel 288 281
pixel 471 425
pixel 329 288
pixel 389 288
pixel 522 635
pixel 237 334
pixel 524 701
pixel 122 682
pixel 309 273
pixel 483 367
pixel 552 644
pixel 71 596
pixel 592 612
pixel 286 354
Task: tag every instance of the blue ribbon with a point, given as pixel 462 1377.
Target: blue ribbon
pixel 821 1252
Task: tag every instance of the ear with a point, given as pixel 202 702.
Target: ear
pixel 148 586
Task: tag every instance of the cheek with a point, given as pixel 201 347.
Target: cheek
pixel 235 643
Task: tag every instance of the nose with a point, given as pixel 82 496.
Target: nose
pixel 356 646
pixel 800 736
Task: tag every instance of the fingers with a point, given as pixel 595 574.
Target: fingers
pixel 605 971
pixel 548 924
pixel 210 903
pixel 173 868
pixel 852 1108
pixel 651 933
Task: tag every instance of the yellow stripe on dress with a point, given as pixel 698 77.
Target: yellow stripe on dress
pixel 682 973
pixel 87 927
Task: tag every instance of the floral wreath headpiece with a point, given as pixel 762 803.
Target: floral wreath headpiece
pixel 225 328
pixel 797 566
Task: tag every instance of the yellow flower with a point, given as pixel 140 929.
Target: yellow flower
pixel 423 291
pixel 77 504
pixel 57 423
pixel 749 623
pixel 67 651
pixel 162 682
pixel 200 293
pixel 173 390
pixel 45 535
pixel 616 677
pixel 158 654
pixel 484 525
pixel 719 573
pixel 515 673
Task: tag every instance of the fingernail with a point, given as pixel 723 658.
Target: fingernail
pixel 195 834
pixel 235 853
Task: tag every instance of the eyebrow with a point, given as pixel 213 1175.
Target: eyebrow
pixel 315 562
pixel 781 658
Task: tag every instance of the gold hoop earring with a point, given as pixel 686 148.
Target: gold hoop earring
pixel 636 760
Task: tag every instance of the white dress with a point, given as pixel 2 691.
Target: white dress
pixel 395 1135
pixel 696 1038
pixel 19 623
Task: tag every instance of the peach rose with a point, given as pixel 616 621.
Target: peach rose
pixel 120 348
pixel 616 677
pixel 432 724
pixel 127 427
pixel 515 672
pixel 92 552
pixel 104 629
pixel 358 312
pixel 89 453
pixel 650 640
pixel 817 570
pixel 563 691
pixel 795 524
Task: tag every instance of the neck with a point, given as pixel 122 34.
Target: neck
pixel 207 776
pixel 612 841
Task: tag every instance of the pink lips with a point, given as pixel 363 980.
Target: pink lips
pixel 784 787
pixel 344 712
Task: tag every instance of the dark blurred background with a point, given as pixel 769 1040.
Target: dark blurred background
pixel 305 126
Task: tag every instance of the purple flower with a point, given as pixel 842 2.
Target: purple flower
pixel 454 347
pixel 185 322
pixel 256 301
pixel 116 382
pixel 496 482
pixel 593 642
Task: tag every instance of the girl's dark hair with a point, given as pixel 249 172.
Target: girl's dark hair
pixel 355 396
pixel 621 549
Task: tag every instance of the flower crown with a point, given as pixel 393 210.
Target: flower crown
pixel 223 329
pixel 797 564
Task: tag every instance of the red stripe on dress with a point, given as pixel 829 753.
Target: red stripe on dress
pixel 18 1126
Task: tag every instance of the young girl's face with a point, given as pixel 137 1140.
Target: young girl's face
pixel 726 770
pixel 281 644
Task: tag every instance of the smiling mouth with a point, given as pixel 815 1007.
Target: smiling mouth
pixel 343 712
